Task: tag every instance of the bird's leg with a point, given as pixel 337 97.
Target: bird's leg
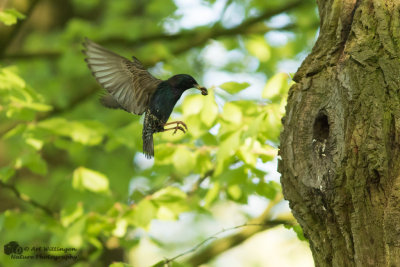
pixel 177 123
pixel 177 127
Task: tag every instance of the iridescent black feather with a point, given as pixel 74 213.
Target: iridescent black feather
pixel 132 88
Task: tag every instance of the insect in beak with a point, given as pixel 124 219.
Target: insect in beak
pixel 202 89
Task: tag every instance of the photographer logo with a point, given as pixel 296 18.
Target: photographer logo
pixel 54 253
pixel 12 248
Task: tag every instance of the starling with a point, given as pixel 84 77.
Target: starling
pixel 132 88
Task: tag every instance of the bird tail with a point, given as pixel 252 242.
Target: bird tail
pixel 148 146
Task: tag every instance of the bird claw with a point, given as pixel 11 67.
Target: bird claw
pixel 177 127
pixel 179 122
pixel 184 125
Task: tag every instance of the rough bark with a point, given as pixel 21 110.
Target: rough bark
pixel 340 147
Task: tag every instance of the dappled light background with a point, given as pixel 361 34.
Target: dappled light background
pixel 72 173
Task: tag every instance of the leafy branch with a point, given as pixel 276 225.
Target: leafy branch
pixel 199 181
pixel 264 222
pixel 28 200
pixel 193 38
pixel 262 226
pixel 261 223
pixel 7 41
pixel 77 100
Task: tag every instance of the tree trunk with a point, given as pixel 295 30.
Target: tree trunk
pixel 340 147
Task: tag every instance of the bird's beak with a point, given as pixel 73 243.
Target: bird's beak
pixel 202 89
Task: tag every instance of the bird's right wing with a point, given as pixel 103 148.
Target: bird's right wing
pixel 128 82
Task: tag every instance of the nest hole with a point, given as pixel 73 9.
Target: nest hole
pixel 321 127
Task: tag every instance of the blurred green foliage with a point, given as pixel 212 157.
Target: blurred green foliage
pixel 68 166
pixel 10 16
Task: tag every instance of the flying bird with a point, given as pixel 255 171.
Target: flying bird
pixel 132 88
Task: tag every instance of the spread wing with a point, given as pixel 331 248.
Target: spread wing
pixel 128 82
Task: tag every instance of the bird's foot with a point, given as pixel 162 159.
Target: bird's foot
pixel 177 124
pixel 177 127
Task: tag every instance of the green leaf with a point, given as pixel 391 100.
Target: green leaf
pixel 123 136
pixel 227 149
pixel 160 263
pixel 255 125
pixel 276 86
pixel 252 149
pixel 85 132
pixel 30 105
pixel 17 130
pixel 75 233
pixel 203 163
pixel 233 176
pixel 209 111
pixel 165 154
pixel 234 87
pixel 183 160
pixel 268 190
pixel 10 80
pixel 232 113
pixel 86 179
pixel 196 127
pixel 97 224
pixel 165 263
pixel 167 214
pixel 298 230
pixel 246 151
pixel 144 212
pixel 78 27
pixel 258 47
pixel 70 214
pixel 20 101
pixel 271 126
pixel 160 7
pixel 192 105
pixel 10 16
pixel 6 173
pixel 206 107
pixel 35 143
pixel 212 194
pixel 235 192
pixel 20 114
pixel 32 161
pixel 120 227
pixel 85 6
pixel 171 202
pixel 168 194
pixel 119 264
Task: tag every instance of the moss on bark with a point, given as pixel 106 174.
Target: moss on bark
pixel 340 145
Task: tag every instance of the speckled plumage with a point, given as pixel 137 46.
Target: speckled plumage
pixel 132 88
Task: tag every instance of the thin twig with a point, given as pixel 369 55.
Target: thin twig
pixel 79 99
pixel 220 245
pixel 266 225
pixel 189 39
pixel 17 27
pixel 199 181
pixel 28 200
pixel 197 39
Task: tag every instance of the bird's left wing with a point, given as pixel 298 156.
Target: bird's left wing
pixel 128 82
